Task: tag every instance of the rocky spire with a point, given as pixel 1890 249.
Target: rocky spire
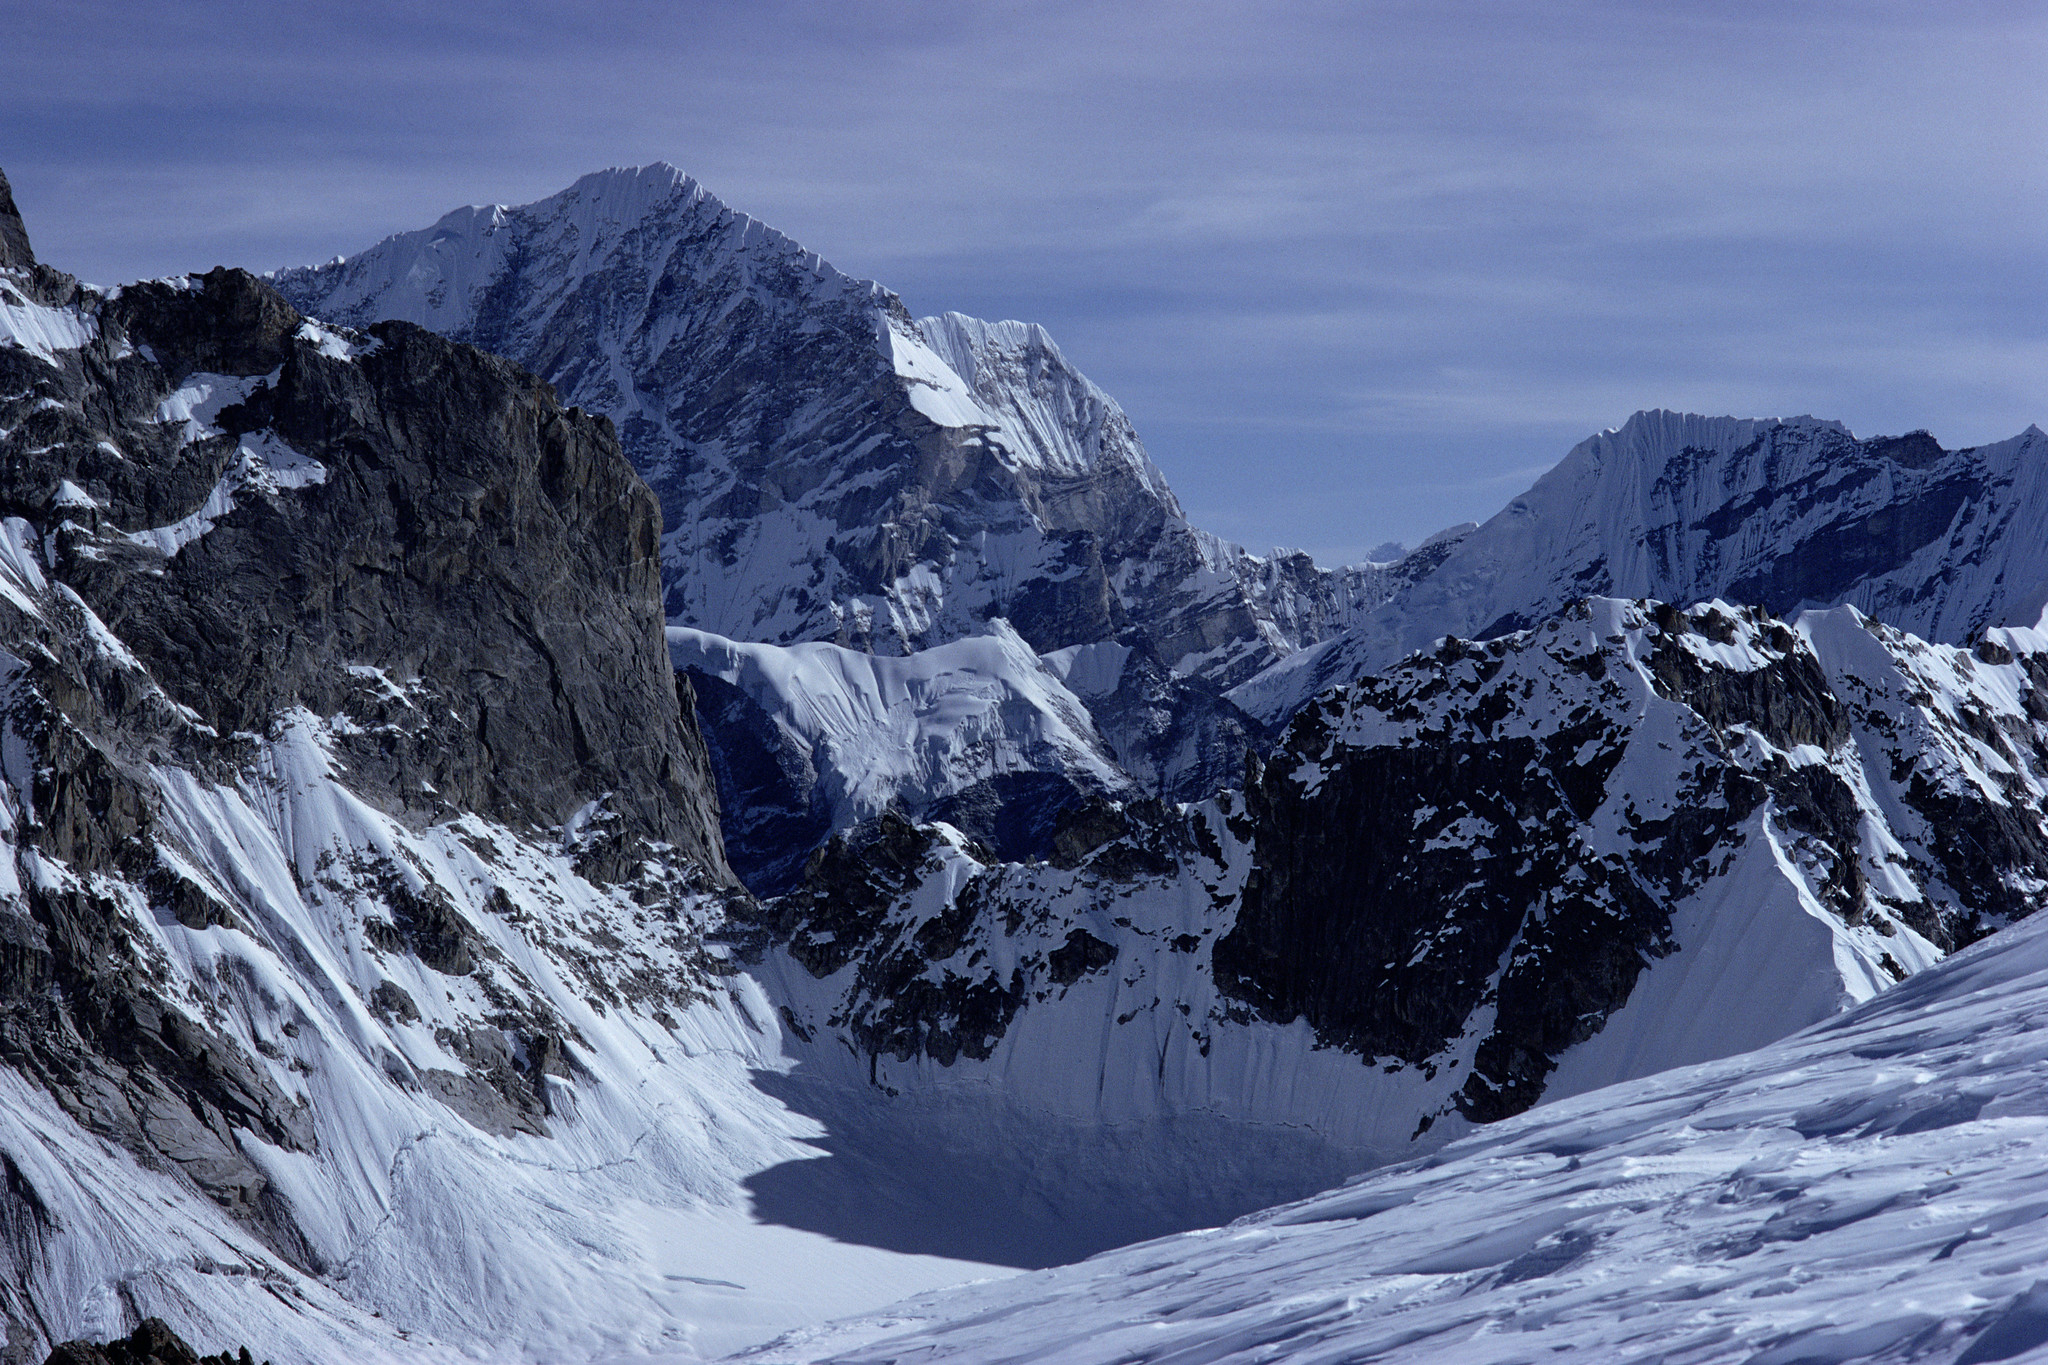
pixel 14 247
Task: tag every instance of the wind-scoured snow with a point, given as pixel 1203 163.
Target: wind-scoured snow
pixel 40 330
pixel 1048 415
pixel 199 399
pixel 494 1108
pixel 111 1236
pixel 935 390
pixel 1865 1191
pixel 263 464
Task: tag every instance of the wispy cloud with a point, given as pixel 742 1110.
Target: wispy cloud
pixel 1394 253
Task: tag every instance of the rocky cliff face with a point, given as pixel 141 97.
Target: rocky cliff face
pixel 387 515
pixel 15 251
pixel 355 823
pixel 1784 515
pixel 1634 837
pixel 363 901
pixel 830 468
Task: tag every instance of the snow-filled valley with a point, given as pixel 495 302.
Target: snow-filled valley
pixel 1633 839
pixel 814 826
pixel 1867 1190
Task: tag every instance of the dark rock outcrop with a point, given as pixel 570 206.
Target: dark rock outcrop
pixel 476 564
pixel 1402 885
pixel 151 1343
pixel 1178 737
pixel 14 246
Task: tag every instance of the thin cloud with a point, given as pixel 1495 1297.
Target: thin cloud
pixel 1313 244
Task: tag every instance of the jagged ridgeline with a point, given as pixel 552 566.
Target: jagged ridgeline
pixel 832 468
pixel 836 472
pixel 1631 838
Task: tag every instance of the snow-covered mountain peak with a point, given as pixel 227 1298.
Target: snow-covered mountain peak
pixel 830 469
pixel 440 276
pixel 1049 415
pixel 1782 513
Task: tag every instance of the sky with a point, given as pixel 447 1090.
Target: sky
pixel 1356 271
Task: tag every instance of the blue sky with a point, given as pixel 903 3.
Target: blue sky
pixel 1357 271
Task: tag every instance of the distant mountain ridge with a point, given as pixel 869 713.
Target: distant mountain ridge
pixel 832 469
pixel 1784 515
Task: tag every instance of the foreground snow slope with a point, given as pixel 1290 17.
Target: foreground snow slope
pixel 1868 1190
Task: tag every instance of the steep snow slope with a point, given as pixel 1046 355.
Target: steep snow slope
pixel 1868 1190
pixel 1778 514
pixel 830 469
pixel 1633 839
pixel 356 853
pixel 477 1186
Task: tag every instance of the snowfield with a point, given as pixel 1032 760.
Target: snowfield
pixel 1868 1190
